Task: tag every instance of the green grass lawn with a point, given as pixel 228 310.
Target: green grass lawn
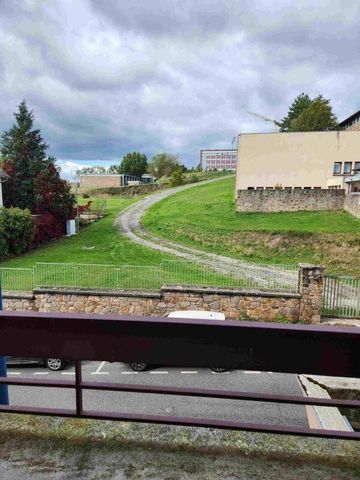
pixel 102 244
pixel 205 217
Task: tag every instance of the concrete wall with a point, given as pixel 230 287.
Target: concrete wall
pixel 234 303
pixel 352 204
pixel 293 200
pixel 300 159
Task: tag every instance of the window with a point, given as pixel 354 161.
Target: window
pixel 347 167
pixel 357 167
pixel 337 168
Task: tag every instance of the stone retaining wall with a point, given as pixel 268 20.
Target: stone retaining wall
pixel 236 304
pixel 352 204
pixel 289 200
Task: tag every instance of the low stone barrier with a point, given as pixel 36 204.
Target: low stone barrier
pixel 352 204
pixel 236 304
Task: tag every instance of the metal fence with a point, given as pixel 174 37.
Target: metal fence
pixel 118 277
pixel 180 343
pixel 341 297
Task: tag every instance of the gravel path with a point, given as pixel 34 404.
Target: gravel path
pixel 129 223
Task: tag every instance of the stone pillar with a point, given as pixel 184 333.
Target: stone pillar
pixel 311 290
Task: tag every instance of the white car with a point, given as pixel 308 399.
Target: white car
pixel 196 314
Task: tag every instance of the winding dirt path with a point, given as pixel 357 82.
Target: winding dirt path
pixel 129 223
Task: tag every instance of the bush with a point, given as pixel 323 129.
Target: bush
pixel 177 178
pixel 17 230
pixel 3 245
pixel 193 178
pixel 47 227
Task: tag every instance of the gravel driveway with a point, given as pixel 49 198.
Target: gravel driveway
pixel 129 223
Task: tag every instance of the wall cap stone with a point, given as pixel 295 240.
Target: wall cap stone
pixel 18 295
pixel 97 292
pixel 228 291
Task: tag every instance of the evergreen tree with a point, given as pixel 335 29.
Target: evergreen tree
pixel 317 117
pixel 23 152
pixel 301 103
pixel 34 181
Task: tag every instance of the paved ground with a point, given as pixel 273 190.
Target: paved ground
pixel 251 381
pixel 129 223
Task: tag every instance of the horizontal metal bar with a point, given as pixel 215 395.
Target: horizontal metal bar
pixel 183 343
pixel 188 421
pixel 190 392
pixel 37 382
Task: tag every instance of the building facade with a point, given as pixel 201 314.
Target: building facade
pixel 297 160
pixel 218 159
pixel 103 180
pixel 351 123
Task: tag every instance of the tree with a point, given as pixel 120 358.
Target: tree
pixel 301 103
pixel 24 152
pixel 317 117
pixel 134 163
pixel 177 178
pixel 34 181
pixel 306 114
pixel 92 169
pixel 164 164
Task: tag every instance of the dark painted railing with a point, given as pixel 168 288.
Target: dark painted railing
pixel 181 343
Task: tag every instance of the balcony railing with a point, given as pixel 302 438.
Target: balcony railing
pixel 181 343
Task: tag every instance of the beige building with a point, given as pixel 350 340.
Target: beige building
pixel 299 159
pixel 102 180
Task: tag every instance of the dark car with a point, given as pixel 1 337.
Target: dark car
pixel 54 364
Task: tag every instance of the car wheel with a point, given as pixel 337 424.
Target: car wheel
pixel 139 367
pixel 55 364
pixel 219 369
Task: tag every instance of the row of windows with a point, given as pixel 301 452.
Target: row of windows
pixel 349 167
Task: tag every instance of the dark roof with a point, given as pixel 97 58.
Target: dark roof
pixel 347 120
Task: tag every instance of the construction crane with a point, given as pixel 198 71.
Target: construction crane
pixel 275 122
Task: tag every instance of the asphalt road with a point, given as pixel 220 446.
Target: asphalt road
pixel 261 382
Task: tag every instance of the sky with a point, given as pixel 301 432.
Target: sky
pixel 106 77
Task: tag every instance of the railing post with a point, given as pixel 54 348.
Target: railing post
pixel 78 388
pixel 312 290
pixel 4 389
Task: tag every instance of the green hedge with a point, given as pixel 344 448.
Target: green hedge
pixel 16 231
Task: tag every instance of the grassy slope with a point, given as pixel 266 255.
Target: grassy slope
pixel 205 217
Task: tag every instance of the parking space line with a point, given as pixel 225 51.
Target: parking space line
pixel 67 373
pixel 129 373
pixel 14 373
pixel 220 373
pixel 98 371
pixel 159 373
pixel 41 373
pixel 250 372
pixel 188 371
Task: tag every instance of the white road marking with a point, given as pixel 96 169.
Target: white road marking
pixel 14 373
pixel 98 372
pixel 188 371
pixel 250 372
pixel 67 373
pixel 159 372
pixel 129 373
pixel 220 373
pixel 41 373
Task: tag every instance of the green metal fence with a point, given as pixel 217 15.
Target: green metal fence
pixel 341 297
pixel 64 275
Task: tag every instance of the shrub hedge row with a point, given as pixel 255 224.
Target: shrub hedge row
pixel 16 231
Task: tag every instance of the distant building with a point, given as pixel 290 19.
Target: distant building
pixel 352 122
pixel 218 159
pixel 146 178
pixel 101 180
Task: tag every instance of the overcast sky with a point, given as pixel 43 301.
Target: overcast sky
pixel 105 77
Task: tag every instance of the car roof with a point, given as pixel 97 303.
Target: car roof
pixel 203 314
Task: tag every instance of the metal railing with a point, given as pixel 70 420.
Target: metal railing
pixel 341 297
pixel 118 277
pixel 181 343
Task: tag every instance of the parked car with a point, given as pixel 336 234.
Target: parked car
pixel 54 364
pixel 142 367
